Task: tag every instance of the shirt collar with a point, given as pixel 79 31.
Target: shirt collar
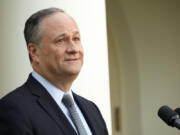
pixel 56 93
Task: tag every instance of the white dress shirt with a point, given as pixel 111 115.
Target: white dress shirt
pixel 57 94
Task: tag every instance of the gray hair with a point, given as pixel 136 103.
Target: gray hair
pixel 32 31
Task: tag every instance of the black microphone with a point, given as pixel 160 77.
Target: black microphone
pixel 177 110
pixel 169 116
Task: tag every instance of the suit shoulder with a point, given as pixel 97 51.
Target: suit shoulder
pixel 17 94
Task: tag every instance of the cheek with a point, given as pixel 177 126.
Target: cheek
pixel 81 51
pixel 48 56
pixel 59 54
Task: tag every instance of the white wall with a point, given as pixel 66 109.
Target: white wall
pixel 93 82
pixel 144 41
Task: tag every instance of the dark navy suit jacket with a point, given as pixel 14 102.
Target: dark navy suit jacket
pixel 30 110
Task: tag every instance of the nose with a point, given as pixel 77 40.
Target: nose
pixel 72 47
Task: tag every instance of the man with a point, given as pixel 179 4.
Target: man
pixel 45 104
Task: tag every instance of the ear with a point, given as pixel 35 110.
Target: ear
pixel 33 50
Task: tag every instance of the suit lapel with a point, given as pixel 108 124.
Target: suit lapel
pixel 50 106
pixel 88 114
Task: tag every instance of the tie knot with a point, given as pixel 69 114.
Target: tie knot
pixel 67 100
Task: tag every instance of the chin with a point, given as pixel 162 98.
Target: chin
pixel 72 72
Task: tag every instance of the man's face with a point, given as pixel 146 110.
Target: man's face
pixel 60 52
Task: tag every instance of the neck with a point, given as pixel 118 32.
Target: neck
pixel 62 82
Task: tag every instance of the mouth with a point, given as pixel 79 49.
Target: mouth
pixel 72 59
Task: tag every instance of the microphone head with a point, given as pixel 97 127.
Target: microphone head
pixel 177 110
pixel 167 115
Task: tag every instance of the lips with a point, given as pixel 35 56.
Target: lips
pixel 72 59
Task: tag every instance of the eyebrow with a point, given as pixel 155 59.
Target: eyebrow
pixel 64 33
pixel 76 32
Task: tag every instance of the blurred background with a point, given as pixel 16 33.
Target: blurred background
pixel 132 57
pixel 144 62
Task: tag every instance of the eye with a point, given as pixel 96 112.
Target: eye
pixel 60 40
pixel 76 38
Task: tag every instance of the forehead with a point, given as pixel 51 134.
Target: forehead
pixel 59 22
